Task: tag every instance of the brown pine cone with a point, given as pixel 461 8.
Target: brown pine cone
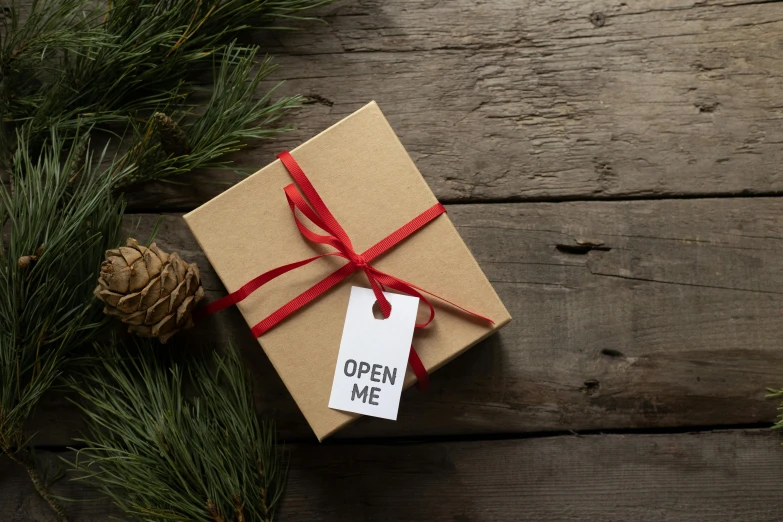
pixel 173 139
pixel 148 289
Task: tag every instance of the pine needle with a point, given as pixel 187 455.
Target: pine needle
pixel 172 440
pixel 58 221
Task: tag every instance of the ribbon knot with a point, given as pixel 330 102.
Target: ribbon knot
pixel 312 206
pixel 359 261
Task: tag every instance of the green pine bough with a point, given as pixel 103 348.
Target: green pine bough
pixel 177 440
pixel 111 64
pixel 95 96
pixel 59 219
pixel 773 393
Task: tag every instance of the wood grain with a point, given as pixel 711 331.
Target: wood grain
pixel 626 315
pixel 711 476
pixel 530 100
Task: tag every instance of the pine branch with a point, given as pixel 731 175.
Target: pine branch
pixel 162 453
pixel 26 459
pixel 774 393
pixel 121 60
pixel 59 220
pixel 231 118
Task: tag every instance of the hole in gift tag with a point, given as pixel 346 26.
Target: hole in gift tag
pixel 376 311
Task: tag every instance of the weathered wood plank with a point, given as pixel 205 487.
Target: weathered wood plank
pixel 722 476
pixel 714 476
pixel 626 315
pixel 515 99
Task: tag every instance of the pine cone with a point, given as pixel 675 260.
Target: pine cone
pixel 173 139
pixel 148 289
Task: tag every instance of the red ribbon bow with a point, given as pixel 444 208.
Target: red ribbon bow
pixel 313 207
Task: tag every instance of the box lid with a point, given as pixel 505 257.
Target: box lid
pixel 371 185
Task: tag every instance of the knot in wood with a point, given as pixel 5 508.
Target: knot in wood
pixel 598 19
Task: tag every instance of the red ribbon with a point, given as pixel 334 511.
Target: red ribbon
pixel 312 206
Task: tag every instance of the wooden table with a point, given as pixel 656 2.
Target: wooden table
pixel 615 167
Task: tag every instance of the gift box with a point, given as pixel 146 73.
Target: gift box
pixel 372 188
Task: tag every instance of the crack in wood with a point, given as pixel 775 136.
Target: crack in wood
pixel 582 248
pixel 317 98
pixel 612 353
pixel 682 283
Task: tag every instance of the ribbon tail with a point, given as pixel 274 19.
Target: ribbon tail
pixel 411 289
pixel 455 305
pixel 418 368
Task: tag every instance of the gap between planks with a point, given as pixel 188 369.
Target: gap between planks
pixel 489 437
pixel 522 201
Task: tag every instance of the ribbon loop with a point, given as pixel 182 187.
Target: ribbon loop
pixel 309 203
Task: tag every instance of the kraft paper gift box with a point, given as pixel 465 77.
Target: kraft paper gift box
pixel 370 184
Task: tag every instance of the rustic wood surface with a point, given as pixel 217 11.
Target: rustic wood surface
pixel 603 160
pixel 562 99
pixel 711 477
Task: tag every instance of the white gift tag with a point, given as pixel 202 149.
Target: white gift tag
pixel 373 355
